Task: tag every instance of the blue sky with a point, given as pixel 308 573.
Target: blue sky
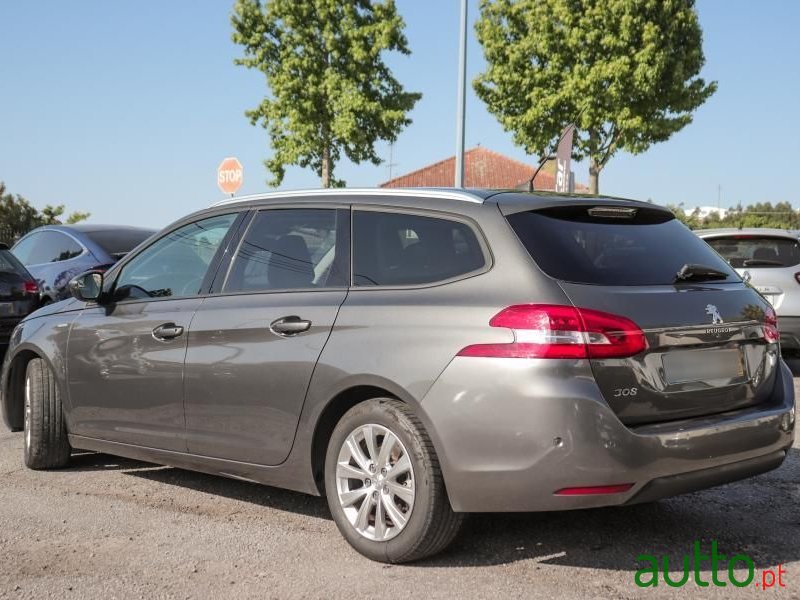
pixel 125 109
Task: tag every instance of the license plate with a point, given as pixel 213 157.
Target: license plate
pixel 6 308
pixel 684 366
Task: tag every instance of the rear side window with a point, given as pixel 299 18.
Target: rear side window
pixel 757 251
pixel 117 243
pixel 649 248
pixel 46 247
pixel 393 249
pixel 287 249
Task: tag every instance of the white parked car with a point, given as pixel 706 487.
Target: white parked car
pixel 771 257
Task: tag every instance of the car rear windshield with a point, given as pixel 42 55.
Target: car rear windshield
pixel 10 264
pixel 117 243
pixel 598 246
pixel 743 251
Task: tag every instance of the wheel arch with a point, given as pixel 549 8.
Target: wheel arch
pixel 13 401
pixel 333 411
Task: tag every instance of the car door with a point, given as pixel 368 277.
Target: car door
pixel 253 346
pixel 125 356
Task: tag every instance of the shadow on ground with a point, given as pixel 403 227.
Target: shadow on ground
pixel 261 495
pixel 756 517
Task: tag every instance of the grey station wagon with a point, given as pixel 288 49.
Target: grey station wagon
pixel 415 355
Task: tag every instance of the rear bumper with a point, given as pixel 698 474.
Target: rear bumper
pixel 509 433
pixel 790 333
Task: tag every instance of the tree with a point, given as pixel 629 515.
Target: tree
pixel 330 92
pixel 18 217
pixel 762 214
pixel 624 71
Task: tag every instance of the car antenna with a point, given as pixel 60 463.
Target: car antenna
pixel 550 155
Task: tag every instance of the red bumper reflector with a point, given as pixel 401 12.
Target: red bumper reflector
pixel 594 490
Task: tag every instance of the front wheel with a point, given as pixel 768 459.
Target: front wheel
pixel 384 485
pixel 46 444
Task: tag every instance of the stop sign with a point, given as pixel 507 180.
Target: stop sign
pixel 229 175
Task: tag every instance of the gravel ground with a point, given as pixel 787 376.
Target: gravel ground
pixel 113 528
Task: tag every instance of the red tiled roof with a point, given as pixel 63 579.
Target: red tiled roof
pixel 483 168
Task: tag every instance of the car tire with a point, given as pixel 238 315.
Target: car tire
pixel 401 483
pixel 45 435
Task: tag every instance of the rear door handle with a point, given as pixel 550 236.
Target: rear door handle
pixel 167 331
pixel 288 326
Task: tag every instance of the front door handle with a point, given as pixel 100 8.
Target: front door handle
pixel 167 331
pixel 288 326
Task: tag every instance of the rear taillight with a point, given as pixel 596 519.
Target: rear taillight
pixel 30 287
pixel 771 333
pixel 556 331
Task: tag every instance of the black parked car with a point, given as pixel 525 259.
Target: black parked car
pixel 54 254
pixel 19 295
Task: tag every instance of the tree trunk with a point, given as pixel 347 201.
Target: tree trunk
pixel 594 177
pixel 326 166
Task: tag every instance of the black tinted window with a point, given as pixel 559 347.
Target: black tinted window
pixel 571 245
pixel 176 264
pixel 46 247
pixel 287 249
pixel 403 249
pixel 757 251
pixel 117 243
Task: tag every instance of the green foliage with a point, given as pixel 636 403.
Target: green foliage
pixel 761 214
pixel 18 217
pixel 330 91
pixel 624 71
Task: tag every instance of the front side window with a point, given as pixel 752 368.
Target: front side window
pixel 288 249
pixel 396 249
pixel 176 264
pixel 25 247
pixel 47 247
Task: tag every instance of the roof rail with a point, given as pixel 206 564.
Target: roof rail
pixel 448 194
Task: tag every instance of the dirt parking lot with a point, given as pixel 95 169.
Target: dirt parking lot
pixel 113 528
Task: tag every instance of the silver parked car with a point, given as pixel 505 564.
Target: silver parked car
pixel 770 259
pixel 415 355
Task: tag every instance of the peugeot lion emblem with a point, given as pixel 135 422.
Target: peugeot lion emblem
pixel 713 312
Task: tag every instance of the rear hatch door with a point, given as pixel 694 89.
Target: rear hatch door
pixel 710 348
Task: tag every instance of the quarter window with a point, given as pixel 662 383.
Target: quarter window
pixel 392 249
pixel 291 249
pixel 176 264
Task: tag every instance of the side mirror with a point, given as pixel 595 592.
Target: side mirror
pixel 88 286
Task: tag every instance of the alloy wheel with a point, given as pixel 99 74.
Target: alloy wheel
pixel 375 482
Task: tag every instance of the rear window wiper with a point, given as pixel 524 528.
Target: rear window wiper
pixel 762 262
pixel 692 272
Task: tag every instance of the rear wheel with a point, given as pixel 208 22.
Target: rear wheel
pixel 46 444
pixel 384 485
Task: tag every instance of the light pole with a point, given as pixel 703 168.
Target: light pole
pixel 462 98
